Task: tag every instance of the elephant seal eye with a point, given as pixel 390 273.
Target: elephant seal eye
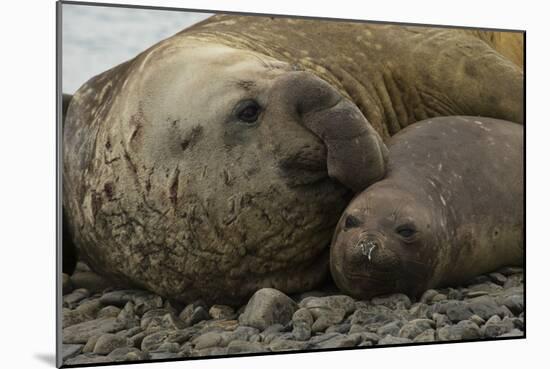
pixel 351 222
pixel 248 111
pixel 406 231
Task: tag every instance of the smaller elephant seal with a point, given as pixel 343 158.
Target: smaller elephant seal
pixel 449 208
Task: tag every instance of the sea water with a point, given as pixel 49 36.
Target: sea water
pixel 97 38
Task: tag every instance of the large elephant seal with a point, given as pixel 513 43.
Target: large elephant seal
pixel 218 161
pixel 450 208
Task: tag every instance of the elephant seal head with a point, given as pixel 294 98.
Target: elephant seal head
pixel 197 170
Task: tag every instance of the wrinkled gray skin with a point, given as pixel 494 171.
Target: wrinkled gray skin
pixel 450 208
pixel 166 188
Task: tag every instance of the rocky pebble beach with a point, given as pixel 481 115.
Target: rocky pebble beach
pixel 102 324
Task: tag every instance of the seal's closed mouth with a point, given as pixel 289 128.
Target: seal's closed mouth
pixel 384 278
pixel 307 167
pixel 367 286
pixel 302 177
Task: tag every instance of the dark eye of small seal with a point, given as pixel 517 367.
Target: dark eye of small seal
pixel 248 111
pixel 406 231
pixel 352 222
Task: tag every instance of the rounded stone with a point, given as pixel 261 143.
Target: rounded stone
pixel 420 310
pixel 81 332
pixel 206 340
pixel 508 271
pixel 458 311
pixel 485 307
pixel 415 327
pixel 271 333
pixel 427 296
pixel 426 336
pixel 455 294
pixel 515 303
pixel 90 344
pixel 266 307
pixel 319 305
pixel 463 330
pixel 498 278
pixel 89 358
pixel 391 340
pixel 109 312
pixel 117 298
pixel 440 320
pixel 278 344
pixel 439 297
pixel 339 328
pixel 67 286
pixel 469 330
pixel 394 301
pixel 513 333
pixel 339 341
pixel 194 313
pixel 153 341
pixel 128 315
pixel 328 319
pixel 86 311
pixel 108 342
pixel 72 299
pixel 221 312
pixel 126 354
pixel 91 281
pixel 242 347
pixel 514 280
pixel 301 324
pixel 477 319
pixel 168 347
pixel 70 350
pixel 496 326
pixel 391 329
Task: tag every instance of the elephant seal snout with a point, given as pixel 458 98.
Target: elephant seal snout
pixel 450 208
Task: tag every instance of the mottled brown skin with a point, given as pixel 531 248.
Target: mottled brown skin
pixel 166 188
pixel 510 44
pixel 396 74
pixel 450 208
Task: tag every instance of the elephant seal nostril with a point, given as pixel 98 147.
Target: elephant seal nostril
pixel 367 247
pixel 372 246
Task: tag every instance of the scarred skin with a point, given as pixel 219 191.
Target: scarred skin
pixel 166 188
pixel 450 208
